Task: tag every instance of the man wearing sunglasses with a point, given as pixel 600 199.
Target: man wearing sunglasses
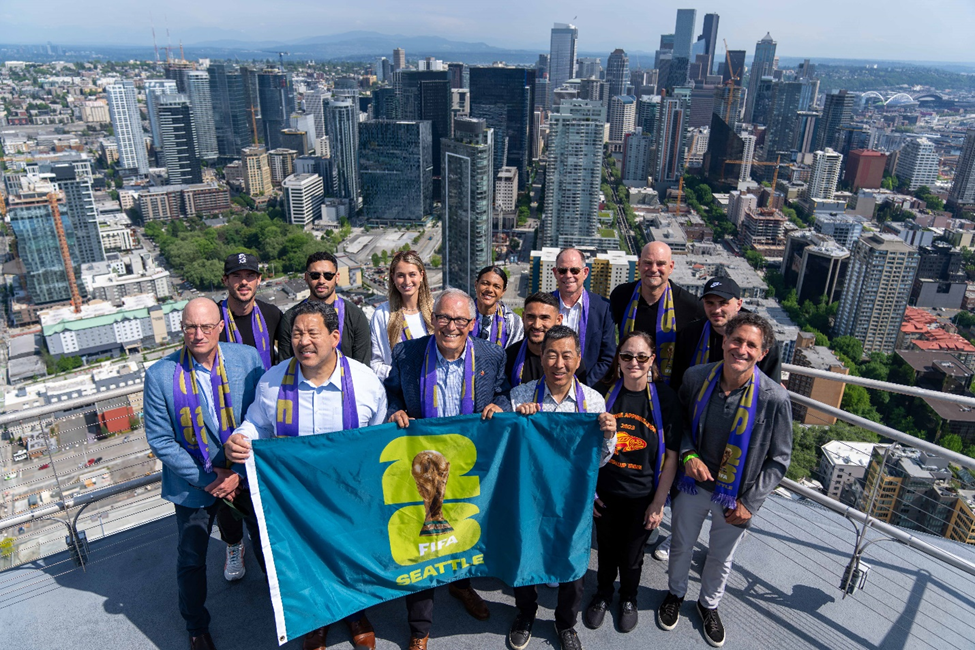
pixel 321 275
pixel 430 377
pixel 586 313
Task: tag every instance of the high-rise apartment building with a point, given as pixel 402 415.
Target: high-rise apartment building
pixel 503 97
pixel 468 202
pixel 302 197
pixel 670 141
pixel 865 169
pixel 277 98
pixel 737 70
pixel 201 108
pixel 506 189
pixel 252 103
pixel 622 116
pixel 727 104
pixel 748 155
pixel 783 122
pixel 342 124
pixel 683 40
pixel 917 164
pixel 572 175
pixel 826 168
pixel 154 88
pixel 562 55
pixel 762 66
pixel 637 154
pixel 231 119
pixel 618 73
pixel 815 264
pixel 178 145
pixel 837 112
pixel 127 123
pixel 399 59
pixel 282 164
pixel 256 170
pixel 877 287
pixel 963 188
pixel 396 170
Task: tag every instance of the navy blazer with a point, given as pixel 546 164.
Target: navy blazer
pixel 600 344
pixel 183 477
pixel 491 386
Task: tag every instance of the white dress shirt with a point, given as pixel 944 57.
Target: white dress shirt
pixel 571 315
pixel 525 393
pixel 382 354
pixel 319 407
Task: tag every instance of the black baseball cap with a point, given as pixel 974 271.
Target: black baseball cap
pixel 722 287
pixel 241 262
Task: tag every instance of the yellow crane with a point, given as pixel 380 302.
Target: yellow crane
pixel 775 175
pixel 732 81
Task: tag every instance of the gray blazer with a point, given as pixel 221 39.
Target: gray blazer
pixel 770 448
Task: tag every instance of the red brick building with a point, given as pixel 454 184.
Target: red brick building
pixel 864 168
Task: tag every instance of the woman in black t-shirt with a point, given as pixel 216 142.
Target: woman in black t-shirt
pixel 632 488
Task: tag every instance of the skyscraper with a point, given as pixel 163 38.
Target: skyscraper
pixel 837 112
pixel 637 150
pixel 399 59
pixel 425 95
pixel 468 199
pixel 127 123
pixel 154 88
pixel 917 164
pixel 622 116
pixel 878 284
pixel 342 123
pixel 314 103
pixel 826 169
pixel 575 145
pixel 737 69
pixel 252 103
pixel 396 170
pixel 230 117
pixel 257 170
pixel 683 40
pixel 963 187
pixel 201 108
pixel 727 104
pixel 178 146
pixel 459 75
pixel 562 55
pixel 762 66
pixel 670 136
pixel 710 35
pixel 277 98
pixel 503 97
pixel 618 73
pixel 783 123
pixel 302 196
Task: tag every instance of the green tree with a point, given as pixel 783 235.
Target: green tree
pixel 375 259
pixel 435 261
pixel 848 345
pixel 952 442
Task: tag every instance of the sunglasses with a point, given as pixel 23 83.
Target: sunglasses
pixel 328 275
pixel 574 270
pixel 642 357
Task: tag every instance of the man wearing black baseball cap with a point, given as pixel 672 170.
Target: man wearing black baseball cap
pixel 700 342
pixel 255 323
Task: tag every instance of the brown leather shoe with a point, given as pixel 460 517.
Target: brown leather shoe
pixel 202 642
pixel 419 644
pixel 473 603
pixel 315 640
pixel 362 634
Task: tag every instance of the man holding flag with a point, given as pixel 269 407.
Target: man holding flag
pixel 734 454
pixel 558 391
pixel 255 323
pixel 320 390
pixel 193 400
pixel 446 374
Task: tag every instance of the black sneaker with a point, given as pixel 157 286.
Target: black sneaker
pixel 569 639
pixel 628 615
pixel 713 629
pixel 669 611
pixel 595 613
pixel 521 631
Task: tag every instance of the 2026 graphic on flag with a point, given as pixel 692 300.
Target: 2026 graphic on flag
pixel 355 518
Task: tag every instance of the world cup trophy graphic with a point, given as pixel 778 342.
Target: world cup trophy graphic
pixel 430 471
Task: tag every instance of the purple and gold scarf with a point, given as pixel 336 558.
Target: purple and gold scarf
pixel 262 340
pixel 432 399
pixel 192 431
pixel 288 408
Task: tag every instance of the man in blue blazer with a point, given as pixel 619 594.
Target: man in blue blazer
pixel 192 399
pixel 587 313
pixel 428 379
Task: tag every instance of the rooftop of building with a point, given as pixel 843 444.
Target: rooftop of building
pixel 951 411
pixel 166 189
pixel 64 318
pixel 849 453
pixel 819 357
pixel 938 339
pixel 928 360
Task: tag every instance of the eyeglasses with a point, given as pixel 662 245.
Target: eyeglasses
pixel 206 330
pixel 443 320
pixel 574 270
pixel 642 357
pixel 328 275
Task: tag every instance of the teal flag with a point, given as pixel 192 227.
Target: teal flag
pixel 355 518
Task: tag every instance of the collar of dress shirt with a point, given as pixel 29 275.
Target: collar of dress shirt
pixel 335 379
pixel 442 360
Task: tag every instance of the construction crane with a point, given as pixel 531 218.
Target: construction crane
pixel 52 199
pixel 731 83
pixel 775 175
pixel 253 111
pixel 680 192
pixel 281 56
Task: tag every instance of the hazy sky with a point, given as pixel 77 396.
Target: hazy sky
pixel 936 30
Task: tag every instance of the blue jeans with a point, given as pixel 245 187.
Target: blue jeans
pixel 193 526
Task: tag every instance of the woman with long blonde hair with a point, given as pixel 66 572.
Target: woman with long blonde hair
pixel 406 315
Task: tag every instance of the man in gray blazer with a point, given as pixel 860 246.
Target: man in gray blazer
pixel 736 448
pixel 192 400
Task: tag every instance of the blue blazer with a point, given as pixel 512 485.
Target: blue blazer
pixel 183 477
pixel 600 344
pixel 403 383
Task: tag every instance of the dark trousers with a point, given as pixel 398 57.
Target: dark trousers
pixel 193 526
pixel 419 609
pixel 232 526
pixel 567 609
pixel 621 538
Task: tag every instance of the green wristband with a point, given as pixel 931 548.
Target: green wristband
pixel 689 456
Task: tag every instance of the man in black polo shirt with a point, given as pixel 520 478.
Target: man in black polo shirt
pixel 639 310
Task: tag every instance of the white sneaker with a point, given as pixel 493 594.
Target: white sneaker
pixel 233 568
pixel 662 552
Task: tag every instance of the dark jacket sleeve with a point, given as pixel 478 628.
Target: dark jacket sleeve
pixel 284 335
pixel 606 337
pixel 361 336
pixel 502 386
pixel 687 339
pixel 771 365
pixel 779 454
pixel 395 400
pixel 617 302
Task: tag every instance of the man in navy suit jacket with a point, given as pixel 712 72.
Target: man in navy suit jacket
pixel 195 491
pixel 596 333
pixel 453 319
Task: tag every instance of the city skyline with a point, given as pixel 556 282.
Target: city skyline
pixel 871 30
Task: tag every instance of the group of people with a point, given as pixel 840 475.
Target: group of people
pixel 687 388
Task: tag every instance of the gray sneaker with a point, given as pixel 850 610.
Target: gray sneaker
pixel 233 568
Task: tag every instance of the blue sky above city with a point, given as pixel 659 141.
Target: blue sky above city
pixel 869 29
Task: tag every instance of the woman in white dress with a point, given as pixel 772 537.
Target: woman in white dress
pixel 406 315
